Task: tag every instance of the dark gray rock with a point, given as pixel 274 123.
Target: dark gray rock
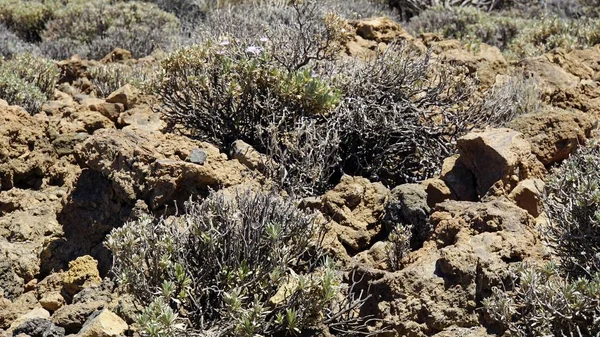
pixel 39 327
pixel 408 206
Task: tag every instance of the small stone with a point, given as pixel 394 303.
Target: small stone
pixel 198 156
pixel 528 195
pixel 83 272
pixel 126 95
pixel 52 301
pixel 104 324
pixel 32 314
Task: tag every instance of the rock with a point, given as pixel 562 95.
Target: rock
pixel 198 156
pixel 72 317
pixel 25 152
pixel 459 179
pixel 39 327
pixel 471 250
pixel 376 257
pixel 380 29
pixel 528 196
pixel 551 76
pixel 407 205
pixel 117 55
pixel 35 313
pixel 11 285
pixel 111 111
pixel 487 62
pixel 65 144
pixel 355 207
pixel 554 134
pixel 91 121
pixel 152 167
pixel 248 156
pixel 437 191
pixel 126 95
pixel 104 324
pixel 11 310
pixel 498 158
pixel 52 301
pixel 141 117
pixel 82 273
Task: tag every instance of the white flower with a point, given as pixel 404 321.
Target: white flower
pixel 264 39
pixel 224 43
pixel 254 50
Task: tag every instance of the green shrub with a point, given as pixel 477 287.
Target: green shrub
pixel 508 99
pixel 28 81
pixel 244 264
pixel 222 92
pixel 411 8
pixel 542 302
pixel 109 77
pixel 468 24
pixel 99 26
pixel 572 203
pixel 16 91
pixel 540 36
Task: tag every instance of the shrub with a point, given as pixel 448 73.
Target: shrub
pixel 295 33
pixel 16 91
pixel 510 98
pixel 109 77
pixel 540 36
pixel 11 44
pixel 245 264
pixel 572 203
pixel 400 114
pixel 399 245
pixel 226 91
pixel 469 24
pixel 99 26
pixel 410 8
pixel 28 81
pixel 27 18
pixel 542 302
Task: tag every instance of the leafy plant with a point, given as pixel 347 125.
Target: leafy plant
pixel 542 302
pixel 244 264
pixel 28 81
pixel 572 203
pixel 94 28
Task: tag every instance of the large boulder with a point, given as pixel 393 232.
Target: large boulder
pixel 498 158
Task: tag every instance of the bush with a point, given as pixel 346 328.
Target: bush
pixel 27 18
pixel 96 27
pixel 572 203
pixel 11 44
pixel 28 81
pixel 109 77
pixel 540 36
pixel 410 8
pixel 400 114
pixel 468 24
pixel 16 91
pixel 544 303
pixel 508 99
pixel 246 264
pixel 226 91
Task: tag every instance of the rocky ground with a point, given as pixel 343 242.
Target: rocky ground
pixel 85 165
